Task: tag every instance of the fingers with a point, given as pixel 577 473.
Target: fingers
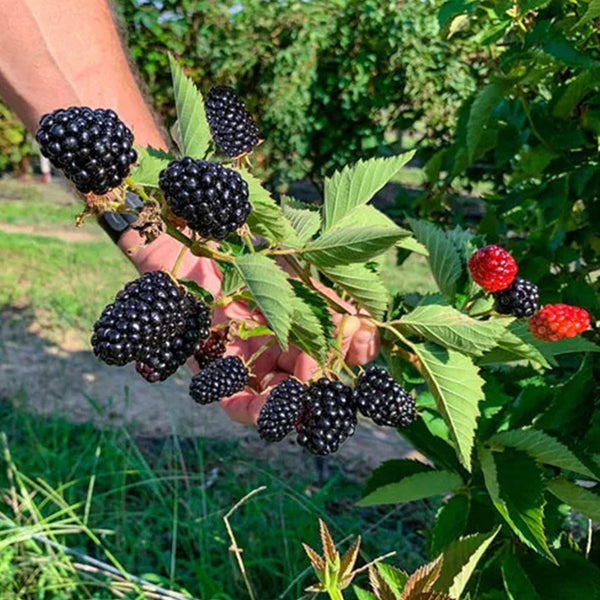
pixel 364 345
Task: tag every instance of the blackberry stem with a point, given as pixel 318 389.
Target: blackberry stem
pixel 139 190
pixel 248 241
pixel 178 260
pixel 256 355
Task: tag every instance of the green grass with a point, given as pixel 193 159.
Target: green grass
pixel 157 507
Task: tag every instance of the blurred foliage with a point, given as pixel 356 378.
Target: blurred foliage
pixel 15 144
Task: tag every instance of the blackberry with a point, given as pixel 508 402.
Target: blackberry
pixel 210 350
pixel 328 416
pixel 382 400
pixel 154 322
pixel 520 298
pixel 281 411
pixel 231 125
pixel 93 148
pixel 219 380
pixel 211 198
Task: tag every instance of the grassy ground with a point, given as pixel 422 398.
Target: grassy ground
pixel 152 507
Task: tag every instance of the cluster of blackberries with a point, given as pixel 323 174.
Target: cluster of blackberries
pixel 154 322
pixel 231 125
pixel 495 270
pixel 324 412
pixel 211 198
pixel 92 147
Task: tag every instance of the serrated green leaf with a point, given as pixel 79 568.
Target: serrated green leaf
pixel 516 582
pixel 392 471
pixel 363 594
pixel 306 331
pixel 455 383
pixel 412 245
pixel 592 12
pixel 193 130
pixel 244 332
pixel 272 291
pixel 522 506
pixel 444 258
pixel 362 285
pixel 584 500
pixel 318 306
pixel 354 244
pixel 448 327
pixel 413 487
pixel 543 447
pixel 197 290
pixel 306 222
pixel 355 185
pixel 395 578
pixel 460 560
pixel 150 163
pixel 479 116
pixel 232 281
pixel 450 522
pixel 367 215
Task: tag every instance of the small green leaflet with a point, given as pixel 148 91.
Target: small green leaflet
pixel 517 584
pixel 455 383
pixel 306 332
pixel 450 328
pixel 581 499
pixel 197 290
pixel 150 163
pixel 306 222
pixel 232 281
pixel 355 185
pixel 318 306
pixel 450 522
pixel 193 130
pixel 481 111
pixel 272 291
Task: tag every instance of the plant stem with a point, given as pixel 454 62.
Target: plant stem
pixel 262 349
pixel 177 264
pixel 139 190
pixel 335 594
pixel 248 242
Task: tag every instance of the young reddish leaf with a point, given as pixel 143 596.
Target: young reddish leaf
pixel 317 562
pixel 329 552
pixel 422 579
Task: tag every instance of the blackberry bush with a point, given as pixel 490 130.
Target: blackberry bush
pixel 211 198
pixel 93 148
pixel 219 380
pixel 281 410
pixel 153 322
pixel 231 125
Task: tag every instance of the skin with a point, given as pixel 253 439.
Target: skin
pixel 68 52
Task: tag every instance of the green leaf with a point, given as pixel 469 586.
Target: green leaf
pixel 592 12
pixel 394 577
pixel 363 594
pixel 351 245
pixel 543 447
pixel 232 281
pixel 267 218
pixel 306 222
pixel 460 560
pixel 362 285
pixel 197 290
pixel 149 165
pixel 448 327
pixel 444 259
pixel 516 582
pixel 522 506
pixel 414 487
pixel 355 185
pixel 391 471
pixel 306 331
pixel 193 130
pixel 584 500
pixel 410 243
pixel 367 216
pixel 318 306
pixel 455 383
pixel 244 332
pixel 479 116
pixel 450 523
pixel 272 291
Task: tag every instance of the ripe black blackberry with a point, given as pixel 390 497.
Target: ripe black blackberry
pixel 231 125
pixel 381 399
pixel 219 380
pixel 154 322
pixel 521 299
pixel 281 411
pixel 210 197
pixel 328 416
pixel 93 148
pixel 211 349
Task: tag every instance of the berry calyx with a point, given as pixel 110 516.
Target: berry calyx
pixel 328 416
pixel 155 323
pixel 231 125
pixel 219 380
pixel 382 400
pixel 557 321
pixel 281 411
pixel 93 148
pixel 211 198
pixel 520 299
pixel 493 268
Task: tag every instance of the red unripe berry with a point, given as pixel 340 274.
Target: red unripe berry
pixel 557 321
pixel 493 268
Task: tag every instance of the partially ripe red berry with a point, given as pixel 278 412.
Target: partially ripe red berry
pixel 493 268
pixel 557 321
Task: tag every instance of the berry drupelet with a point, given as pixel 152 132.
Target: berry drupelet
pixel 493 268
pixel 155 323
pixel 219 380
pixel 281 411
pixel 93 148
pixel 520 299
pixel 328 416
pixel 380 398
pixel 557 321
pixel 231 125
pixel 210 350
pixel 211 198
